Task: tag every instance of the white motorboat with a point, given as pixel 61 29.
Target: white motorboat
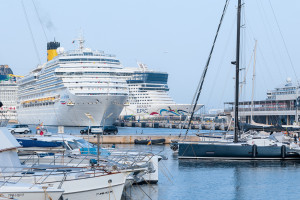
pixel 77 182
pixel 22 191
pixel 78 148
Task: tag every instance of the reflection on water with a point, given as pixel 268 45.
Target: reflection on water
pixel 245 179
pixel 204 179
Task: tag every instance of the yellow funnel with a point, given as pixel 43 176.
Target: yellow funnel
pixel 51 50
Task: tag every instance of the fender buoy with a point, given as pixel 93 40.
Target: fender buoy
pixel 283 151
pixel 254 151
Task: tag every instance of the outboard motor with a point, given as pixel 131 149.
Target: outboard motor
pixel 174 145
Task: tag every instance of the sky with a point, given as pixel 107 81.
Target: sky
pixel 171 36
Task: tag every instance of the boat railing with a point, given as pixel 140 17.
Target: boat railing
pixel 8 173
pixel 16 174
pixel 124 160
pixel 262 109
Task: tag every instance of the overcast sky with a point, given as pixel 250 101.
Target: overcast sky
pixel 168 35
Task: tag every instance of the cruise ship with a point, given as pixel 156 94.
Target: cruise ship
pixel 73 88
pixel 148 94
pixel 8 93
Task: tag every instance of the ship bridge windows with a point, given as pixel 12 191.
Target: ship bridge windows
pixel 87 53
pixel 157 86
pixel 90 60
pixel 159 78
pixel 156 89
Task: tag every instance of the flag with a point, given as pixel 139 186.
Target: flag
pixel 149 142
pixel 41 133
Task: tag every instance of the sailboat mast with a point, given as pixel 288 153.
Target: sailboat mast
pixel 253 81
pixel 237 71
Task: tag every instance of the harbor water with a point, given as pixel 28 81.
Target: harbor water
pixel 200 179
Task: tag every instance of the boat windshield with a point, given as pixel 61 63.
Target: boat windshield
pixel 84 144
pixel 272 137
pixel 73 145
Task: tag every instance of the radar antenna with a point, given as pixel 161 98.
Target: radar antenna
pixel 80 40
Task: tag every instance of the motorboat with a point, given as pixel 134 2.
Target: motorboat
pixel 90 182
pixel 79 153
pixel 23 191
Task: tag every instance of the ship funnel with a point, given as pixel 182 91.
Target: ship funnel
pixel 51 50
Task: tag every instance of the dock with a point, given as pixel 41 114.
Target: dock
pixel 129 139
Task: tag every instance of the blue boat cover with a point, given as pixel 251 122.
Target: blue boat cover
pixel 93 151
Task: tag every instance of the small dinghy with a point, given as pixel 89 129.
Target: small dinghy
pixel 148 142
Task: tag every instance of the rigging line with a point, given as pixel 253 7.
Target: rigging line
pixel 221 63
pixel 260 51
pixel 31 34
pixel 225 86
pixel 37 13
pixel 286 49
pixel 270 34
pixel 206 67
pixel 198 86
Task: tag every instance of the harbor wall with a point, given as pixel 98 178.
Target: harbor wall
pixel 129 139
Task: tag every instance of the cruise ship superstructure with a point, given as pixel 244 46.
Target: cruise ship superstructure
pixel 74 88
pixel 148 94
pixel 8 93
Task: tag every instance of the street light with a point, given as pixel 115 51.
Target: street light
pixel 88 115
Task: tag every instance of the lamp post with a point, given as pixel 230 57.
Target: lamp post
pixel 98 137
pixel 90 117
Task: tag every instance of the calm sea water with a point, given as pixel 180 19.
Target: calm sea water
pixel 198 179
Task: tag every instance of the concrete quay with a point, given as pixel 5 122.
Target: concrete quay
pixel 129 139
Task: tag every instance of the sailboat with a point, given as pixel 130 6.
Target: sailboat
pixel 250 147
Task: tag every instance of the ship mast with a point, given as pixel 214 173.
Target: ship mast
pixel 237 71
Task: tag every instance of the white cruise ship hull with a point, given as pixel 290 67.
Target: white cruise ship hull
pixel 155 110
pixel 73 110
